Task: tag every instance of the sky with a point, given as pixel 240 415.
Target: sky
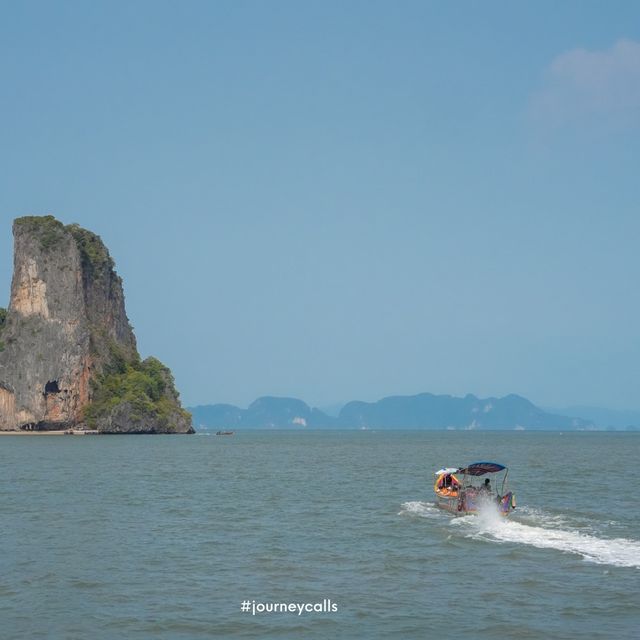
pixel 345 200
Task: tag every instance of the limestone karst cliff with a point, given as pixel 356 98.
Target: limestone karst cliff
pixel 68 355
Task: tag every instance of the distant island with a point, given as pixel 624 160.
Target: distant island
pixel 68 355
pixel 609 419
pixel 422 411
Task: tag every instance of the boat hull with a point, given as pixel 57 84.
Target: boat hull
pixel 452 505
pixel 466 505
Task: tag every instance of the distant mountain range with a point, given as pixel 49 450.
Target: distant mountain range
pixel 604 418
pixel 422 411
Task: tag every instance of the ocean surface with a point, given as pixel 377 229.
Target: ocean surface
pixel 163 537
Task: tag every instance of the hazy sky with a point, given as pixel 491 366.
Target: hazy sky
pixel 339 200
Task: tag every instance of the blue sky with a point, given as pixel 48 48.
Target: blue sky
pixel 337 200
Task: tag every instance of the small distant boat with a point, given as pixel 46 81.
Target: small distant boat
pixel 458 491
pixel 81 432
pixel 224 433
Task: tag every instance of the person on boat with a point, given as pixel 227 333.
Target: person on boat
pixel 486 487
pixel 451 483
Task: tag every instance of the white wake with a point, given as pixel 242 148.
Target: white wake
pixel 420 509
pixel 489 525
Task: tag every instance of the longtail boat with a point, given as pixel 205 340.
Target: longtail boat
pixel 459 490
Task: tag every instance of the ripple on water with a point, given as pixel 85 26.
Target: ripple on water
pixel 164 537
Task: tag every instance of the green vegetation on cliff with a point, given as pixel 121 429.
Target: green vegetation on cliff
pixel 95 257
pixel 50 231
pixel 147 387
pixel 46 228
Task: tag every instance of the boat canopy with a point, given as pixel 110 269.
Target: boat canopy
pixel 447 470
pixel 480 468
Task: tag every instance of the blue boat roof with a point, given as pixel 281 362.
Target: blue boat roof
pixel 480 468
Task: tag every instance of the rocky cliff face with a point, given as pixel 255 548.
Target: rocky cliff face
pixel 68 356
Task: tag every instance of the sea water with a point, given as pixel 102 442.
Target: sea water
pixel 165 536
